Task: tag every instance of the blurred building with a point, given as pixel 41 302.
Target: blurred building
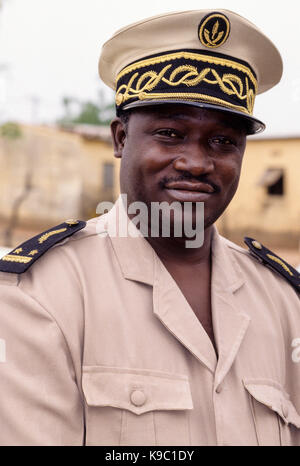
pixel 48 175
pixel 267 203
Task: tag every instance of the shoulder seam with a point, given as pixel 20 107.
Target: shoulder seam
pixel 240 250
pixel 72 238
pixel 235 247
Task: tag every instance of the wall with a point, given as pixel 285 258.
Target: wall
pixel 48 176
pixel 273 219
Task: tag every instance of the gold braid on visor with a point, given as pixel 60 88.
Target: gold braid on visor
pixel 195 76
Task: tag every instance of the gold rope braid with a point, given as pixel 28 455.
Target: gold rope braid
pixel 280 262
pixel 20 259
pixel 234 82
pixel 194 97
pixel 44 237
pixel 153 81
pixel 192 71
pixel 250 96
pixel 229 79
pixel 189 56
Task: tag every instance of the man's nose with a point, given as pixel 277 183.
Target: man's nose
pixel 195 161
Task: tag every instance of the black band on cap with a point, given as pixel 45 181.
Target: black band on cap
pixel 189 75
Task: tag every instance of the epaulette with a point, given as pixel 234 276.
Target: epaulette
pixel 269 258
pixel 22 257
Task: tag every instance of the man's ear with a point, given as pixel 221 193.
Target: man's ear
pixel 118 133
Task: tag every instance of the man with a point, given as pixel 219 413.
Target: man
pixel 137 339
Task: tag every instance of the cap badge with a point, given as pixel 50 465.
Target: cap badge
pixel 214 30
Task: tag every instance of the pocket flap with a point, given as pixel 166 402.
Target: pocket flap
pixel 272 395
pixel 136 390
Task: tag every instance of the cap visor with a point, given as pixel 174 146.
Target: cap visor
pixel 253 125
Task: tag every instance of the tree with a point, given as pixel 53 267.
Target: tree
pixel 10 131
pixel 87 112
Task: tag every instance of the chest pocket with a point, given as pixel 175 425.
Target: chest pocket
pixel 275 417
pixel 135 407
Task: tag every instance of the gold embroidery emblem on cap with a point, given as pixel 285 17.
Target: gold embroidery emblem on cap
pixel 214 30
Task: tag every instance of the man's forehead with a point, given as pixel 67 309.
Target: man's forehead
pixel 189 113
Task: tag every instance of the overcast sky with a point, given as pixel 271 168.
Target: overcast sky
pixel 50 49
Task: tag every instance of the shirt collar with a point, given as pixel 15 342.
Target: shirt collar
pixel 136 256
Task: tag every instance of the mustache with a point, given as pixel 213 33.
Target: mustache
pixel 186 176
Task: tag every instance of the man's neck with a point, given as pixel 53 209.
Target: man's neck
pixel 175 250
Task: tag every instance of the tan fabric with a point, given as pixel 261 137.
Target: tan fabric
pixel 98 334
pixel 179 31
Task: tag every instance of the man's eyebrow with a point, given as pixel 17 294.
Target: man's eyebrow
pixel 172 116
pixel 230 124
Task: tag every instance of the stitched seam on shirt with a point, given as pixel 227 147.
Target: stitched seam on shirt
pixel 154 428
pixel 251 401
pixel 122 426
pixel 72 238
pixel 280 428
pixel 188 418
pixel 241 251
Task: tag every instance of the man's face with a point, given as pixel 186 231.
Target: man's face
pixel 180 153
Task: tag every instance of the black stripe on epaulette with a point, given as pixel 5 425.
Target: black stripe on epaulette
pixel 269 258
pixel 22 257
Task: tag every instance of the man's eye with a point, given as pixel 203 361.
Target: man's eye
pixel 222 141
pixel 170 133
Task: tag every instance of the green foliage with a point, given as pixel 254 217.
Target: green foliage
pixel 87 112
pixel 10 131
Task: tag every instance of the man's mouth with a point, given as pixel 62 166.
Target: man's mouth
pixel 190 186
pixel 189 191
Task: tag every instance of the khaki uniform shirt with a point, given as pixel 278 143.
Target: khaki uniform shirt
pixel 102 348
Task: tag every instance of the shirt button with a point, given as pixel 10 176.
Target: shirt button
pixel 138 397
pixel 72 222
pixel 219 389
